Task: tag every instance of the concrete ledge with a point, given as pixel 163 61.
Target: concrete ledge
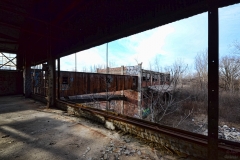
pixel 169 144
pixel 185 144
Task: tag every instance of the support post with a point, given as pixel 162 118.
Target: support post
pixel 51 82
pixel 19 62
pixel 27 89
pixel 27 78
pixel 122 92
pixel 213 80
pixel 58 78
pixel 140 90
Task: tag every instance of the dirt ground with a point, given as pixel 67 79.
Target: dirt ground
pixel 30 131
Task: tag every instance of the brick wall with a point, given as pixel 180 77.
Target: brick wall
pixel 11 82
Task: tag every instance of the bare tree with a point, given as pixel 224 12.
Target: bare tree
pixel 201 66
pixel 162 99
pixel 236 46
pixel 229 72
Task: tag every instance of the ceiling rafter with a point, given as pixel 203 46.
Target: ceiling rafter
pixel 30 31
pixel 5 36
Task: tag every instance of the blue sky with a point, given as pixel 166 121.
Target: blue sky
pixel 180 40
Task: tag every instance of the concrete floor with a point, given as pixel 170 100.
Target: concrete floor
pixel 30 131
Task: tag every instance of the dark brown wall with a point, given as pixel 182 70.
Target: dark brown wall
pixel 11 82
pixel 87 83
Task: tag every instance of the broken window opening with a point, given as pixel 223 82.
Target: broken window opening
pixel 8 61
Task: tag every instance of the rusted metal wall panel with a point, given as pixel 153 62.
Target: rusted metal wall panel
pixel 78 83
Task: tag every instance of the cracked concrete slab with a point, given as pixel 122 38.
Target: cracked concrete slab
pixel 28 130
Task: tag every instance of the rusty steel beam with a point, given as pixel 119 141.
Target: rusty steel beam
pixel 93 98
pixel 213 79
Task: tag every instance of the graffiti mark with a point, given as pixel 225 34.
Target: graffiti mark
pixel 146 112
pixel 132 70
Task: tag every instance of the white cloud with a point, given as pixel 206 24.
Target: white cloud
pixel 182 39
pixel 85 59
pixel 143 47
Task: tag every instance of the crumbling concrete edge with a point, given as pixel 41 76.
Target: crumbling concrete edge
pixel 157 140
pixel 161 141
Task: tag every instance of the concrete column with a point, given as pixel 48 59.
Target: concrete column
pixel 140 90
pixel 27 82
pixel 51 95
pixel 58 78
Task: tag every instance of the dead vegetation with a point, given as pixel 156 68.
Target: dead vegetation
pixel 187 102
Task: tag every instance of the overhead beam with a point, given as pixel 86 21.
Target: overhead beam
pixel 4 36
pixel 8 50
pixel 30 31
pixel 7 42
pixel 25 15
pixel 67 10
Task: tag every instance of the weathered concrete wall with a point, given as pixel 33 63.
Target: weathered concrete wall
pixel 40 98
pixel 162 141
pixel 116 70
pixel 11 82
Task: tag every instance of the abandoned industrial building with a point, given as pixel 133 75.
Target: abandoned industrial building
pixel 113 112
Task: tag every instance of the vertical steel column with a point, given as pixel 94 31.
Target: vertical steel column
pixel 213 80
pixel 122 92
pixel 54 82
pixel 19 61
pixel 58 78
pixel 140 90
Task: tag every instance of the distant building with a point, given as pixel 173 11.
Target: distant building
pixel 147 81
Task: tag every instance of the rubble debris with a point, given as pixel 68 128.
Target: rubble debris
pixel 88 149
pixel 5 136
pixel 139 153
pixel 227 133
pixel 115 151
pixel 109 125
pixel 52 143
